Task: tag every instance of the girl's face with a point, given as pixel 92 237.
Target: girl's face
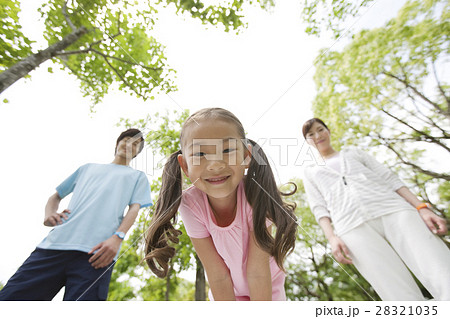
pixel 213 157
pixel 319 137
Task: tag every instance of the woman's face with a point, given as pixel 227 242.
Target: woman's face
pixel 319 137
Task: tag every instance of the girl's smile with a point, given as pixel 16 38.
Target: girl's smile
pixel 217 180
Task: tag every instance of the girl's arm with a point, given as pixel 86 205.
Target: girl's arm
pixel 338 247
pixel 258 271
pixel 219 277
pixel 430 218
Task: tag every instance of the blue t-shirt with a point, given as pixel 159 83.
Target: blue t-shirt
pixel 101 192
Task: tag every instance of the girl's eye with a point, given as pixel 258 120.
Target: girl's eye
pixel 228 150
pixel 199 154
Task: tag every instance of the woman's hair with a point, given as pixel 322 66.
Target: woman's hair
pixel 260 189
pixel 309 123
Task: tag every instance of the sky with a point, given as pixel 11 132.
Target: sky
pixel 263 75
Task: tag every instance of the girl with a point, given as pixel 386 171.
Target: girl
pixel 227 215
pixel 375 224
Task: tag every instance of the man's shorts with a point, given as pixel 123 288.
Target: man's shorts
pixel 46 271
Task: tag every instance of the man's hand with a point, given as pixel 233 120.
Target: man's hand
pixel 106 251
pixel 435 223
pixel 55 218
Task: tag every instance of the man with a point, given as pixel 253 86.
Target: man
pixel 79 252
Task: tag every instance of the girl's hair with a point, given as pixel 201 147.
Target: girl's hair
pixel 260 189
pixel 309 123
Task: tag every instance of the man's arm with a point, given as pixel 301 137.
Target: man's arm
pixel 108 249
pixel 52 218
pixel 435 223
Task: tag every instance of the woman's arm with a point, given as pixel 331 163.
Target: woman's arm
pixel 219 278
pixel 258 271
pixel 338 247
pixel 435 223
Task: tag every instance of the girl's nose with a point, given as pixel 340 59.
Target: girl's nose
pixel 216 165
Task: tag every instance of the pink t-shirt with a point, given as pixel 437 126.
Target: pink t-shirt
pixel 231 242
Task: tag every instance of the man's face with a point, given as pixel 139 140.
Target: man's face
pixel 128 147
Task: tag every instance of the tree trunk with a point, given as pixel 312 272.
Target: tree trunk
pixel 168 282
pixel 25 66
pixel 200 281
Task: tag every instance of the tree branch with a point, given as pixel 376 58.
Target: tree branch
pixel 447 98
pixel 66 15
pixel 85 51
pixel 320 281
pixel 428 119
pixel 122 78
pixel 410 139
pixel 124 61
pixel 415 166
pixel 432 139
pixel 420 94
pixel 425 118
pixel 25 66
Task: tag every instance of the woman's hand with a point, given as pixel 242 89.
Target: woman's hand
pixel 436 224
pixel 340 250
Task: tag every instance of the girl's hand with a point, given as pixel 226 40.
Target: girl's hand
pixel 432 220
pixel 340 250
pixel 55 218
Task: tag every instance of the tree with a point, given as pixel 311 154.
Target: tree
pixel 162 140
pixel 386 91
pixel 105 42
pixel 329 14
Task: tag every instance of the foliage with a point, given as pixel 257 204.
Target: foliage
pixel 108 43
pixel 312 273
pixel 13 44
pixel 383 92
pixel 329 14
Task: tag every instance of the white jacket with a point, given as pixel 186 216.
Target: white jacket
pixel 363 190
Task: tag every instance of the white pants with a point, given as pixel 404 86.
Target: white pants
pixel 381 247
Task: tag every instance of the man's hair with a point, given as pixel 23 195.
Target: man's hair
pixel 133 133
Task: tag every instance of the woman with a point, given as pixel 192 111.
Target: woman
pixel 371 219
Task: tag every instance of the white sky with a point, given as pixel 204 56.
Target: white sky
pixel 47 130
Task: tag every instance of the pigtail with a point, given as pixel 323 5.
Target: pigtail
pixel 161 230
pixel 263 195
